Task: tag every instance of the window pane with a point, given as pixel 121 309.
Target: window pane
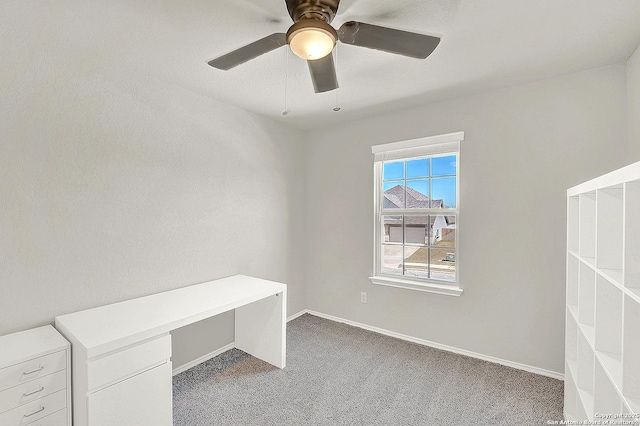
pixel 443 264
pixel 444 189
pixel 443 231
pixel 415 262
pixel 415 230
pixel 418 194
pixel 392 259
pixel 393 170
pixel 418 168
pixel 441 166
pixel 392 231
pixel 393 197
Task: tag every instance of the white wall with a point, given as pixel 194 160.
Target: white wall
pixel 524 146
pixel 116 185
pixel 633 105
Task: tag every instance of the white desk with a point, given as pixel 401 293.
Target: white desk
pixel 121 352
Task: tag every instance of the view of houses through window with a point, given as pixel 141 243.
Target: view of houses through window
pixel 418 240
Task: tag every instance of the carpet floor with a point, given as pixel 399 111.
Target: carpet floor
pixel 337 374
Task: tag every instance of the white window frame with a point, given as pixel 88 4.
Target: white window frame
pixel 406 150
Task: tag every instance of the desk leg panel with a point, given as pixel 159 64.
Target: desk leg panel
pixel 261 329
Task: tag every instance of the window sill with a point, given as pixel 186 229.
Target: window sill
pixel 431 287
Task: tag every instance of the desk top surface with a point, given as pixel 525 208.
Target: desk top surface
pixel 110 327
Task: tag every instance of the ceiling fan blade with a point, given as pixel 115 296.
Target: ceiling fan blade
pixel 323 74
pixel 250 51
pixel 387 39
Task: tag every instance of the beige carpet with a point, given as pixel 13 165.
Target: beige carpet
pixel 337 374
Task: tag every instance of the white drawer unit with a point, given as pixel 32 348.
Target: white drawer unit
pixel 35 381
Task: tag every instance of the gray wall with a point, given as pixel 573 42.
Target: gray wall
pixel 201 338
pixel 116 185
pixel 524 146
pixel 633 105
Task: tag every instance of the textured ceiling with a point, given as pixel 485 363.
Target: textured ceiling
pixel 486 44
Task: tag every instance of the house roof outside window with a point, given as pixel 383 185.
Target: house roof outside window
pixel 393 200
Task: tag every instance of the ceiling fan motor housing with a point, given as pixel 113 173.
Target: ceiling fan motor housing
pixel 323 10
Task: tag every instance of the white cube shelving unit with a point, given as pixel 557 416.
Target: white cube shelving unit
pixel 602 347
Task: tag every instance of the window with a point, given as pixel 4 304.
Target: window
pixel 416 206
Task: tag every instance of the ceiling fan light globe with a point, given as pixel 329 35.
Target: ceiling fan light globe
pixel 311 39
pixel 312 43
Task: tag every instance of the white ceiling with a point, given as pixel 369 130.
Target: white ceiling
pixel 486 44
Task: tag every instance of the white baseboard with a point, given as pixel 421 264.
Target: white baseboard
pixel 203 358
pixel 512 364
pixel 294 316
pixel 217 352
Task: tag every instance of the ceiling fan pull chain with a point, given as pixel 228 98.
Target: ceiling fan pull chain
pixel 286 80
pixel 337 107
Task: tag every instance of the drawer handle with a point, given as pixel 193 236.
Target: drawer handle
pixel 34 392
pixel 34 371
pixel 35 412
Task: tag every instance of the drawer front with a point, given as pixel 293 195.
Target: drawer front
pixel 30 391
pixel 36 410
pixel 59 418
pixel 33 369
pixel 120 365
pixel 144 400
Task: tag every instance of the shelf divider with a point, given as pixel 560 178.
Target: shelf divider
pixel 609 229
pixel 605 396
pixel 587 225
pixel 584 379
pixel 586 295
pixel 608 330
pixel 573 230
pixel 573 269
pixel 612 364
pixel 632 234
pixel 631 350
pixel 571 339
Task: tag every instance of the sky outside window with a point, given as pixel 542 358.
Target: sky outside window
pixel 434 177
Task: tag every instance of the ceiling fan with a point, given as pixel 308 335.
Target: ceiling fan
pixel 311 37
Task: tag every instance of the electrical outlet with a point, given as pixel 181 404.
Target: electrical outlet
pixel 363 297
